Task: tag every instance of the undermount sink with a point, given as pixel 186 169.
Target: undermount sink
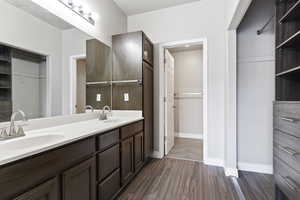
pixel 111 120
pixel 28 142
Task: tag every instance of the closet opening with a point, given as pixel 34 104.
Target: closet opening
pixel 184 106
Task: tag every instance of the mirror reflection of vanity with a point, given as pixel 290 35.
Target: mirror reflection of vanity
pixel 68 71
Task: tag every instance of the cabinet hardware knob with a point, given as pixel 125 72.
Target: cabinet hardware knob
pixel 289 150
pixel 288 119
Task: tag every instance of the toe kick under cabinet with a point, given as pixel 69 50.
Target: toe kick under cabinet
pixel 95 168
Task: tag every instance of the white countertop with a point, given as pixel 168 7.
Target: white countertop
pixel 41 140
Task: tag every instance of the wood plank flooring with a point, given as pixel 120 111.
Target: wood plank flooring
pixel 171 179
pixel 187 149
pixel 257 186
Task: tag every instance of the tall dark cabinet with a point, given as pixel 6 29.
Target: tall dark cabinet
pixel 286 140
pixel 132 80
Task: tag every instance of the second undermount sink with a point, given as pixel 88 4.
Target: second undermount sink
pixel 111 120
pixel 29 142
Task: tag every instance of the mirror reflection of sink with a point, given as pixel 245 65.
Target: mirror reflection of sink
pixel 28 142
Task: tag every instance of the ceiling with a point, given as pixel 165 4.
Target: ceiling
pixel 41 13
pixel 132 7
pixel 186 47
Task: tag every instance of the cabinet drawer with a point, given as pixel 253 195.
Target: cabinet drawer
pixel 287 117
pixel 108 139
pixel 287 179
pixel 287 148
pixel 131 129
pixel 110 186
pixel 108 161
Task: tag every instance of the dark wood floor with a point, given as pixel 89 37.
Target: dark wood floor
pixel 171 179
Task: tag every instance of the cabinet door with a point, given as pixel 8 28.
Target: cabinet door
pixel 99 61
pixel 138 150
pixel 127 155
pixel 148 109
pixel 79 182
pixel 45 191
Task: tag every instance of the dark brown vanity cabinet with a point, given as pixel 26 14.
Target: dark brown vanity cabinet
pixel 133 64
pixel 96 168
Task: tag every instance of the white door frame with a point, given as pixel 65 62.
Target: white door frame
pixel 73 80
pixel 162 91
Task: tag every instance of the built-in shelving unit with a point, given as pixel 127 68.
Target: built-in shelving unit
pixel 288 50
pixel 292 14
pixel 5 83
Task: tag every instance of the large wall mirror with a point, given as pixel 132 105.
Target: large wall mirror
pixel 50 68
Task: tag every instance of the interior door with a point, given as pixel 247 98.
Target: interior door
pixel 81 86
pixel 169 102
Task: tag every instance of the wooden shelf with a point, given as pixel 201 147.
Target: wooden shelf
pixel 291 42
pixel 292 14
pixel 291 73
pixel 4 59
pixel 5 87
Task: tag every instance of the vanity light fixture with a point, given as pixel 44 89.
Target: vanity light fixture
pixel 79 10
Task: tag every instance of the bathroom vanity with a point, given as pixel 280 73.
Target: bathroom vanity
pixel 90 164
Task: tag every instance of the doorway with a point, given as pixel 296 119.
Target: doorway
pixel 184 113
pixel 78 84
pixel 81 86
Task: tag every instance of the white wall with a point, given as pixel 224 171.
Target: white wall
pixel 190 21
pixel 27 32
pixel 73 44
pixel 188 78
pixel 110 18
pixel 256 88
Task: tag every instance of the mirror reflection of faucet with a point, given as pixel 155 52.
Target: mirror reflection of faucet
pixel 14 131
pixel 89 107
pixel 103 114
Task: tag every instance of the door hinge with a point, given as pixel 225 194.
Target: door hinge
pixel 165 99
pixel 165 60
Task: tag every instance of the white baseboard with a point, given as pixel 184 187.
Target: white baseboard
pixel 189 135
pixel 156 154
pixel 214 162
pixel 231 172
pixel 253 167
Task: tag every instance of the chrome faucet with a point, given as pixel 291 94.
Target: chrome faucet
pixel 14 131
pixel 103 114
pixel 89 107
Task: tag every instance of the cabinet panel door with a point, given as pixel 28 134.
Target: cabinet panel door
pixel 46 191
pixel 138 150
pixel 99 61
pixel 148 109
pixel 127 56
pixel 127 154
pixel 79 182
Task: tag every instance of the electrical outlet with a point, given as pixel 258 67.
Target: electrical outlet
pixel 98 98
pixel 126 97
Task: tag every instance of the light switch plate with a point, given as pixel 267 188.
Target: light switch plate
pixel 126 97
pixel 98 98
